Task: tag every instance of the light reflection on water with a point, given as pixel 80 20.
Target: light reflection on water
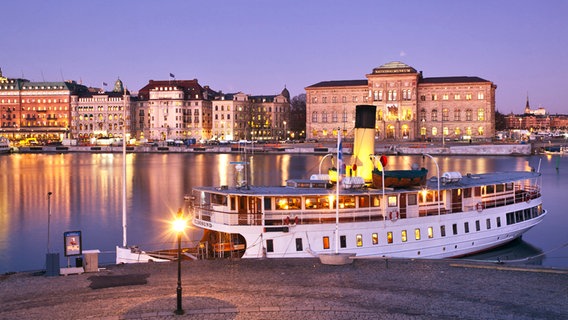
pixel 87 196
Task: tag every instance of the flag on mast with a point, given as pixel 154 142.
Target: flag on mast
pixel 172 75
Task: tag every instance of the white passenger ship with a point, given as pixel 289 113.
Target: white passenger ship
pixel 449 216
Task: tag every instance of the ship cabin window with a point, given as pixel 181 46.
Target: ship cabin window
pixel 269 245
pixel 443 231
pixel 342 241
pixel 467 193
pixel 488 224
pixel 489 189
pixel 428 196
pixel 403 236
pixel 375 238
pixel 392 201
pixel 430 232
pixel 326 243
pixel 477 191
pixel 288 203
pixel 375 201
pixel 466 227
pixel 417 233
pixel 317 202
pixel 499 188
pixel 345 202
pixel 233 203
pixel 218 199
pixel 498 222
pixel 267 203
pixel 477 226
pixel 299 246
pixel 412 199
pixel 359 238
pixel 510 218
pixel 389 237
pixel 363 202
pixel 509 186
pixel 455 228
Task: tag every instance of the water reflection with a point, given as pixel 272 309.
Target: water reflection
pixel 87 196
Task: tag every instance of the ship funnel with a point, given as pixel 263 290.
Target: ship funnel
pixel 364 144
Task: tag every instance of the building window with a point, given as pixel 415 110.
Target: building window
pixel 480 96
pixel 457 115
pixel 480 115
pixel 468 114
pixel 445 96
pixel 324 116
pixel 445 114
pixel 334 116
pixel 434 97
pixel 315 116
pixel 434 115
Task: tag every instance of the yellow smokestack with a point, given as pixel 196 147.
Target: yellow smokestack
pixel 364 144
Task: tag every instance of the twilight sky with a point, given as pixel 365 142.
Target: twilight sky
pixel 260 46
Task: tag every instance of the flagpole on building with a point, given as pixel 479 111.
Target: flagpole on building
pixel 339 172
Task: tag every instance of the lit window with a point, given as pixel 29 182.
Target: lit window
pixel 326 242
pixel 389 237
pixel 392 200
pixel 430 232
pixel 403 236
pixel 417 234
pixel 375 238
pixel 359 238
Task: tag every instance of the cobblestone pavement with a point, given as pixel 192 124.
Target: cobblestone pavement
pixel 293 289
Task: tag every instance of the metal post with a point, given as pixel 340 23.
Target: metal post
pixel 179 310
pixel 48 220
pixel 438 174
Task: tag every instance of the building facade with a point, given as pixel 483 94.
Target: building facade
pixel 38 110
pixel 174 110
pixel 241 116
pixel 409 106
pixel 99 114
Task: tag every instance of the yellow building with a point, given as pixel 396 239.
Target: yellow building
pixel 409 106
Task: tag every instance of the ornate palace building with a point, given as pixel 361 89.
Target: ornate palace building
pixel 409 106
pixel 99 114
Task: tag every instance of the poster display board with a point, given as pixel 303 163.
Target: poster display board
pixel 72 243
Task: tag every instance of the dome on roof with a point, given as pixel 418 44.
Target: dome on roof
pixel 286 93
pixel 394 67
pixel 118 87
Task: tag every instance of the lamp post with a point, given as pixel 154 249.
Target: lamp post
pixel 179 225
pixel 438 173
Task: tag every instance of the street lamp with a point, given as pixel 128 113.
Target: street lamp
pixel 178 225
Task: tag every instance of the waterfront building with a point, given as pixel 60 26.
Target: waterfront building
pixel 99 114
pixel 409 106
pixel 239 116
pixel 36 110
pixel 173 110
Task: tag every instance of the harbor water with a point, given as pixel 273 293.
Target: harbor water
pixel 86 196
